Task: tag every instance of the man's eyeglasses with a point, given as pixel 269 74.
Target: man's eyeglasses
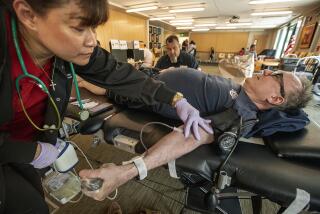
pixel 279 77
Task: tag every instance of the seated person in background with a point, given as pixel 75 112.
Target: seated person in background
pixel 185 45
pixel 192 49
pixel 175 57
pixel 212 55
pixel 148 57
pixel 252 51
pixel 242 52
pixel 210 94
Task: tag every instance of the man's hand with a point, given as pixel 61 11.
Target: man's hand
pixel 191 117
pixel 113 176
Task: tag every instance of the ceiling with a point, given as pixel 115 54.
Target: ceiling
pixel 219 12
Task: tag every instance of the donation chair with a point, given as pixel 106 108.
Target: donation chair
pixel 284 170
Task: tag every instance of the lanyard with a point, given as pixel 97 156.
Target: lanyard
pixel 83 113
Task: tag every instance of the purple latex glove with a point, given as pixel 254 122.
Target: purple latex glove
pixel 48 155
pixel 191 117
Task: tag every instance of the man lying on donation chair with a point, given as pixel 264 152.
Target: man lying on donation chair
pixel 210 95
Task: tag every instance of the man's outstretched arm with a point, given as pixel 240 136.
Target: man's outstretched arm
pixel 169 148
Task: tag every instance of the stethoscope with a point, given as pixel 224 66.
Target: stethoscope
pixel 84 114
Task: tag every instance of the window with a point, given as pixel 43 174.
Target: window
pixel 284 35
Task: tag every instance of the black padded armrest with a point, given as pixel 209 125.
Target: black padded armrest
pixel 256 169
pixel 304 143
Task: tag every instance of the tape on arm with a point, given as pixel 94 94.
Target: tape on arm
pixel 140 165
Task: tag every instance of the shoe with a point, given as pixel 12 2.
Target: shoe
pixel 114 208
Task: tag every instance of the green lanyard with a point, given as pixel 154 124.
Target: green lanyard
pixel 83 113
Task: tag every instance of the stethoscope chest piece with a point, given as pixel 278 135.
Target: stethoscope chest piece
pixel 84 115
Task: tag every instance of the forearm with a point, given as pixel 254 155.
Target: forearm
pixel 92 88
pixel 170 147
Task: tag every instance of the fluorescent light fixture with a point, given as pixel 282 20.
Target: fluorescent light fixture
pixel 181 20
pixel 181 24
pixel 201 29
pixel 184 28
pixel 195 9
pixel 239 24
pixel 270 1
pixel 271 13
pixel 138 9
pixel 225 28
pixel 162 18
pixel 264 26
pixel 205 25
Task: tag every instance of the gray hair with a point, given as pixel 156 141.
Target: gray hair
pixel 298 98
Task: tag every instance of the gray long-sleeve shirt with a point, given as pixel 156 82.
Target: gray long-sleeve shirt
pixel 209 94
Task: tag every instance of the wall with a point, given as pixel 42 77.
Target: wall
pixel 122 26
pixel 310 18
pixel 265 39
pixel 231 41
pixel 167 29
pixel 317 49
pixel 272 35
pixel 221 41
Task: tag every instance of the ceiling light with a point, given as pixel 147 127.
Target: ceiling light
pixel 201 29
pixel 181 20
pixel 226 28
pixel 138 9
pixel 162 18
pixel 181 24
pixel 186 10
pixel 184 28
pixel 239 24
pixel 205 25
pixel 271 13
pixel 270 1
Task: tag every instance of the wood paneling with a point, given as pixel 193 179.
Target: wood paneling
pixel 261 42
pixel 122 26
pixel 221 41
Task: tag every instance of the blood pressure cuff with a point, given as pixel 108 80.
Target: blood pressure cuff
pixel 224 121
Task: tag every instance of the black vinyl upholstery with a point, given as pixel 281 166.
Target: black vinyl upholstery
pixel 304 143
pixel 255 168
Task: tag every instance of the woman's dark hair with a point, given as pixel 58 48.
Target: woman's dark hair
pixel 95 11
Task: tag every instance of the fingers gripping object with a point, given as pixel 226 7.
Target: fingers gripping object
pixel 95 185
pixel 91 185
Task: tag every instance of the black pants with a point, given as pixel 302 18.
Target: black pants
pixel 23 190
